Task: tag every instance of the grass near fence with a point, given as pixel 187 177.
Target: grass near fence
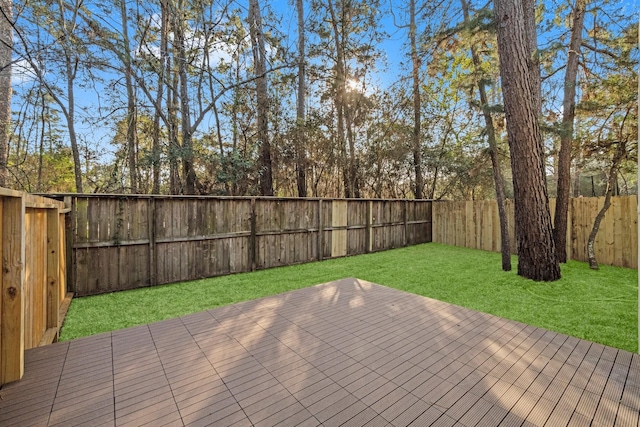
pixel 601 305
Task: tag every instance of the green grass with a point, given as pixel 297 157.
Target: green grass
pixel 601 305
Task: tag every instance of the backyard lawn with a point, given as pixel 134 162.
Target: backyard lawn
pixel 600 306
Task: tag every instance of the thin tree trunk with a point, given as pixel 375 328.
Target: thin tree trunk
pixel 43 132
pixel 260 69
pixel 498 180
pixel 301 143
pixel 577 171
pixel 566 136
pixel 619 155
pixel 493 152
pixel 71 125
pixel 71 68
pixel 339 100
pixel 537 257
pixel 220 146
pixel 164 67
pixel 131 102
pixel 174 144
pixel 6 49
pixel 436 169
pixel 185 111
pixel 352 171
pixel 416 146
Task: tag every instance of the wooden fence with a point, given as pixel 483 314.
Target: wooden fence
pixel 476 225
pixel 125 242
pixel 32 249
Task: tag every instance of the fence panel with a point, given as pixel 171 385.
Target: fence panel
pixel 125 242
pixel 32 236
pixel 475 224
pixel 286 231
pixel 617 239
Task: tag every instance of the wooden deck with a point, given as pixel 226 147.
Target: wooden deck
pixel 346 353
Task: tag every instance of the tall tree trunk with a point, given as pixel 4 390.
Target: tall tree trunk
pixel 262 98
pixel 537 257
pixel 216 115
pixel 43 132
pixel 566 136
pixel 6 49
pixel 533 63
pixel 132 145
pixel 175 181
pixel 185 110
pixel 340 90
pixel 416 146
pixel 493 152
pixel 533 56
pixel 301 142
pixel 71 68
pixel 163 70
pixel 352 169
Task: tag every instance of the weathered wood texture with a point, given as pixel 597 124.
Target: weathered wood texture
pixel 476 225
pixel 33 276
pixel 126 242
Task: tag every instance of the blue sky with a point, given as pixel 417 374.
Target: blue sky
pixel 394 48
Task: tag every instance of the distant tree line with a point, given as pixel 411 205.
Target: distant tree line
pixel 190 97
pixel 242 98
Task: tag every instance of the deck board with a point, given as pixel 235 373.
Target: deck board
pixel 345 353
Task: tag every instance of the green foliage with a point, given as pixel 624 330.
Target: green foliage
pixel 51 172
pixel 596 305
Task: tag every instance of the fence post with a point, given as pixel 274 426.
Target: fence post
pixel 53 270
pixel 12 309
pixel 405 219
pixel 430 223
pixel 320 231
pixel 252 237
pixel 369 221
pixel 153 258
pixel 70 235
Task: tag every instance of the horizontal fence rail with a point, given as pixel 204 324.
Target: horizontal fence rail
pixel 475 224
pixel 32 249
pixel 124 242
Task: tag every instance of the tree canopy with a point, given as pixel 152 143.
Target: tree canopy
pixel 400 99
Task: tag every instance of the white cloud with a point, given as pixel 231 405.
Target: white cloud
pixel 219 52
pixel 22 72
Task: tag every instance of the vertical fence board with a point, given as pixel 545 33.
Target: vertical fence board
pixel 630 258
pixel 339 233
pixel 3 349
pixel 252 237
pixel 613 227
pixel 151 232
pixel 27 287
pixel 53 258
pixel 63 261
pixel 13 277
pixel 81 227
pixel 321 222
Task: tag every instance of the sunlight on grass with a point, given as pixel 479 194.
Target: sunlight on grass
pixel 598 305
